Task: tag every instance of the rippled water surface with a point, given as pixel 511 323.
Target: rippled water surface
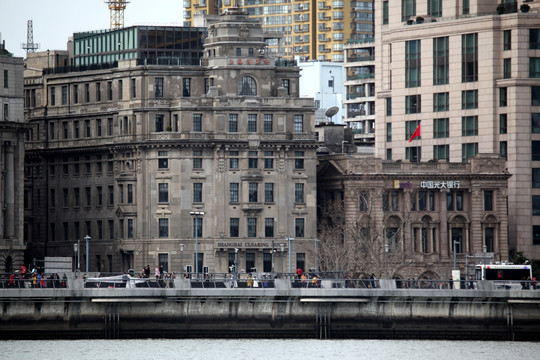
pixel 244 349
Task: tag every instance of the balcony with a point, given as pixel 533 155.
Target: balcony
pixel 361 76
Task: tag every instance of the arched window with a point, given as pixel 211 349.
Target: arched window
pixel 247 86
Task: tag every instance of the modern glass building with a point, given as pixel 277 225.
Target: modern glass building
pixel 180 45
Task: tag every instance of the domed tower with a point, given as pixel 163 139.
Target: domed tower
pixel 238 61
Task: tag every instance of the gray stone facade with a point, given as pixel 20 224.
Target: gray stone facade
pixel 128 154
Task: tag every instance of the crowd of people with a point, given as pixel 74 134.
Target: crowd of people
pixel 36 278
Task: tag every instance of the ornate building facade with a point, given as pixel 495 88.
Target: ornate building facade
pixel 419 216
pixel 209 165
pixel 12 130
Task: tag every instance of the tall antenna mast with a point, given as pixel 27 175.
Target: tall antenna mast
pixel 117 8
pixel 30 46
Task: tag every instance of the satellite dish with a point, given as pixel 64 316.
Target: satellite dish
pixel 331 111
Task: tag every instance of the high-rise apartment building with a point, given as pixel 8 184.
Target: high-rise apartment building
pixel 12 130
pixel 199 167
pixel 458 78
pixel 315 30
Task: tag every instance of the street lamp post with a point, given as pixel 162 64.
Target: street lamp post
pixel 236 263
pixel 386 248
pixel 76 249
pixel 87 238
pixel 196 215
pixel 455 250
pixel 181 258
pixel 290 255
pixel 272 256
pixel 282 247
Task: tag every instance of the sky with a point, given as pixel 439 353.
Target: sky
pixel 54 21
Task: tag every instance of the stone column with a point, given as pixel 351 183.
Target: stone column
pixel 443 227
pixel 9 193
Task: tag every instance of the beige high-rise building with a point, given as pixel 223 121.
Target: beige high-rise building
pixel 466 75
pixel 12 130
pixel 163 162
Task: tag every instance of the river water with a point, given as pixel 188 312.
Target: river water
pixel 254 349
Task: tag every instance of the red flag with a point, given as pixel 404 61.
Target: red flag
pixel 416 133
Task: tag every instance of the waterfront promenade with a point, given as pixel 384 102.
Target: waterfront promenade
pixel 281 311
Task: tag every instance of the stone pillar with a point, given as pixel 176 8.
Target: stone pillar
pixel 9 193
pixel 407 229
pixel 443 227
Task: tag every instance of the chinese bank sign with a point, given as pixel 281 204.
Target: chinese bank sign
pixel 450 184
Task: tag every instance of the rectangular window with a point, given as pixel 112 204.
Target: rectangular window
pixel 233 122
pixel 441 101
pixel 488 200
pixel 286 84
pixel 389 132
pixel 441 128
pixel 233 192
pixel 252 160
pixel 503 97
pixel 87 130
pixel 163 228
pixel 413 153
pixel 507 68
pixel 410 127
pixel 6 79
pixel 197 159
pixel 507 40
pixel 435 8
pixel 99 195
pixel 253 192
pixel 251 227
pixel 98 92
pixel 252 123
pixel 534 67
pixel 111 195
pixel 268 160
pixel 536 178
pixel 130 193
pixel 534 39
pixel 469 126
pixel 469 99
pixel 503 149
pixel 468 151
pixel 268 123
pixel 133 88
pixel 234 227
pixel 158 85
pixel 535 150
pixel 536 205
pixel 535 95
pixel 503 119
pixel 64 95
pixel 186 87
pixel 385 12
pixel 159 123
pixel 163 160
pixel 109 90
pixel 88 193
pixel 412 63
pixel 87 92
pixel 413 104
pixel 130 228
pixel 465 7
pixel 298 123
pixel 75 94
pixel 441 60
pixel 98 127
pixel 299 193
pixel 163 189
pixel 269 192
pixel 408 9
pixel 469 57
pixel 197 192
pixel 299 227
pixel 363 201
pixel 441 152
pixel 197 122
pixel 269 227
pixel 233 160
pixel 298 160
pixel 388 106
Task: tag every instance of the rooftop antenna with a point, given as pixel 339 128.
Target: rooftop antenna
pixel 117 8
pixel 30 46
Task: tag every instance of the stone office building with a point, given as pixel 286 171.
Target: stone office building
pixel 12 131
pixel 413 219
pixel 158 163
